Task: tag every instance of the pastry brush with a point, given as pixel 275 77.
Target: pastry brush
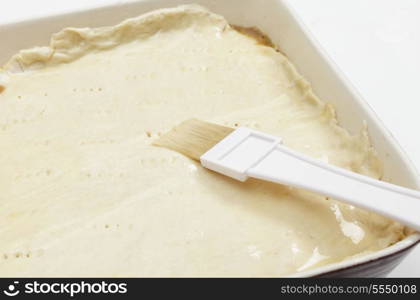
pixel 242 153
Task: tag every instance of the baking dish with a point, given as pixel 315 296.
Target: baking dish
pixel 275 18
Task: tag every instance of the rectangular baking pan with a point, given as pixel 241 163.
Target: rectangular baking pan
pixel 278 20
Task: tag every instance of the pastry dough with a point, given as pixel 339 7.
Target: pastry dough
pixel 83 192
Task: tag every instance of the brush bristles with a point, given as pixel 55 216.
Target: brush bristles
pixel 193 137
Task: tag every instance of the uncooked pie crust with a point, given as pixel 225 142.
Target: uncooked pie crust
pixel 83 192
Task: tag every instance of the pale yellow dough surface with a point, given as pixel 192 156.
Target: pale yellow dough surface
pixel 83 192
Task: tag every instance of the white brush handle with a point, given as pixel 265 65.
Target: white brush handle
pixel 248 153
pixel 286 167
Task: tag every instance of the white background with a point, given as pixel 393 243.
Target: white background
pixel 376 43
